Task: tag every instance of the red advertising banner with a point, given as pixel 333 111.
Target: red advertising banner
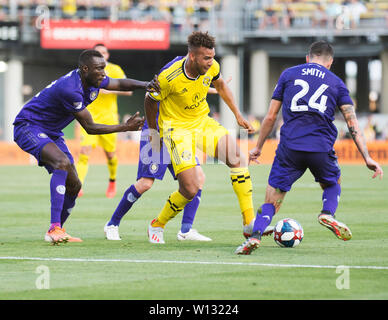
pixel 68 34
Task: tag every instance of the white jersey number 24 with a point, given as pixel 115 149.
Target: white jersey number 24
pixel 313 101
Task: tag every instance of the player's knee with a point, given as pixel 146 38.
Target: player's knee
pixel 189 190
pixel 62 163
pixel 143 185
pixel 201 178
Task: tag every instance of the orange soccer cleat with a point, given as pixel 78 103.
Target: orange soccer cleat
pixel 111 191
pixel 56 236
pixel 72 239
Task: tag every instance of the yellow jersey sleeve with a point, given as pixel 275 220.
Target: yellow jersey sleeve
pixel 215 70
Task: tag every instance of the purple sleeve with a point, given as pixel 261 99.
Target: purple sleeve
pixel 343 95
pixel 104 82
pixel 72 101
pixel 279 89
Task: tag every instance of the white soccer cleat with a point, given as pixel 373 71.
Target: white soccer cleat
pixel 192 235
pixel 248 246
pixel 112 232
pixel 155 234
pixel 248 229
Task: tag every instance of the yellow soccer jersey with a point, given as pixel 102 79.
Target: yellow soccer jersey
pixel 182 100
pixel 104 108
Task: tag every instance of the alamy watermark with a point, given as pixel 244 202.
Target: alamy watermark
pixel 43 280
pixel 343 280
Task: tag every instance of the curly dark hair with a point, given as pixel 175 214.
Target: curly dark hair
pixel 201 39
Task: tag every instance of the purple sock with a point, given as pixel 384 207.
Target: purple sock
pixel 189 212
pixel 263 219
pixel 68 205
pixel 57 194
pixel 129 198
pixel 330 198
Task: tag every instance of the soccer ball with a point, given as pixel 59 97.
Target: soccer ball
pixel 288 233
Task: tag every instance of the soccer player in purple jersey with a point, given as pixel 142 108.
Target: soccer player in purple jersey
pixel 38 129
pixel 308 95
pixel 153 166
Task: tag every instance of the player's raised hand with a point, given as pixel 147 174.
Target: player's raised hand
pixel 374 166
pixel 153 85
pixel 254 154
pixel 134 123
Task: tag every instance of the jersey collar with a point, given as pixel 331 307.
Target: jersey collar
pixel 184 71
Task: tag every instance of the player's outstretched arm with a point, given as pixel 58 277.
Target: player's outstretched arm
pixel 214 91
pixel 85 119
pixel 227 95
pixel 358 138
pixel 151 111
pixel 265 129
pixel 132 84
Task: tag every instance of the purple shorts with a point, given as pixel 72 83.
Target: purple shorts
pixel 289 165
pixel 154 165
pixel 31 138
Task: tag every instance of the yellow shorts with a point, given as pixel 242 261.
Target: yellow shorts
pixel 182 144
pixel 106 141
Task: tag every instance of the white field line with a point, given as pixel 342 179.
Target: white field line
pixel 274 265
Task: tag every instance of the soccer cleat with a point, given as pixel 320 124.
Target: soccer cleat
pixel 155 234
pixel 80 193
pixel 56 236
pixel 192 235
pixel 248 229
pixel 248 246
pixel 112 232
pixel 111 191
pixel 72 239
pixel 340 229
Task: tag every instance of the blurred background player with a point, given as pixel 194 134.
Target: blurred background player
pixel 103 110
pixel 308 95
pixel 38 130
pixel 150 167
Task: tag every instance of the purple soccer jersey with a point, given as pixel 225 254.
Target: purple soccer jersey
pixel 310 94
pixel 53 108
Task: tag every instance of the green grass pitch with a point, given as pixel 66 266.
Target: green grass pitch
pixel 138 270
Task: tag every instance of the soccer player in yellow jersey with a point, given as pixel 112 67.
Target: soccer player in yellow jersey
pixel 184 125
pixel 103 110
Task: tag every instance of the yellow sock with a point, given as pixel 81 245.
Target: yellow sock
pixel 82 167
pixel 175 204
pixel 242 186
pixel 112 167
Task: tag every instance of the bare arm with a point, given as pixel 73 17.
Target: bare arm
pixel 131 84
pixel 266 128
pixel 226 95
pixel 119 93
pixel 151 111
pixel 214 91
pixel 85 119
pixel 349 114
